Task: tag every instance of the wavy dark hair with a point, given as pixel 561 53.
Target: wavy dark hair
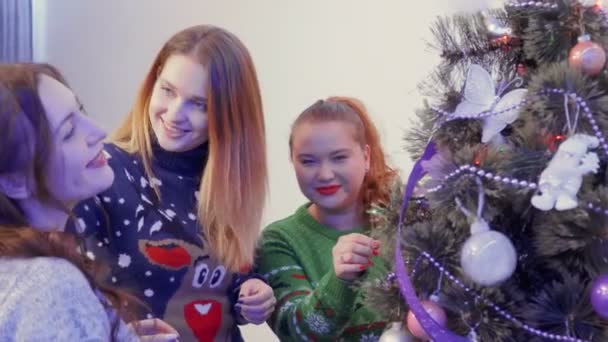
pixel 24 147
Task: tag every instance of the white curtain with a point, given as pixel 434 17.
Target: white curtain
pixel 15 31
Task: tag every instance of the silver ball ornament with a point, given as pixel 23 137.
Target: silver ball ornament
pixel 488 258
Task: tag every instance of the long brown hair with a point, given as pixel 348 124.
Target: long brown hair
pixel 24 148
pixel 234 182
pixel 380 177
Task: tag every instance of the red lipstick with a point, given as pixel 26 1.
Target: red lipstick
pixel 328 190
pixel 99 161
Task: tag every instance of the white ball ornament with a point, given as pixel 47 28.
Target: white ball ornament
pixel 488 258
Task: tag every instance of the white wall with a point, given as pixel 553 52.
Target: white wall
pixel 303 51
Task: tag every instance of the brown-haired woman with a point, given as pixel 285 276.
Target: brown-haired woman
pixel 50 159
pixel 312 257
pixel 181 221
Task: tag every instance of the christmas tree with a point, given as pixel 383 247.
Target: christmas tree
pixel 505 235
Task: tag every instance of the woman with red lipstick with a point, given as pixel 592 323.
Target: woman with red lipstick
pixel 177 225
pixel 313 257
pixel 50 158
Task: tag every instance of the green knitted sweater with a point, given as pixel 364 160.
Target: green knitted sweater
pixel 314 304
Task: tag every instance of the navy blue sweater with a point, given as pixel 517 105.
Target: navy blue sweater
pixel 156 248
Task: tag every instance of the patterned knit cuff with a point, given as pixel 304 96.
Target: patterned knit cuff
pixel 339 294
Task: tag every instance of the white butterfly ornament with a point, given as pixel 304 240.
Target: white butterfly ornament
pixel 480 99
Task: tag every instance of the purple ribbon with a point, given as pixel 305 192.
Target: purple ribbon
pixel 436 332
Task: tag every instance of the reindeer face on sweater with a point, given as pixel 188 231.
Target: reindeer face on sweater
pixel 201 299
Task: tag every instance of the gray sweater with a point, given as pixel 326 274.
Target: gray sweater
pixel 49 299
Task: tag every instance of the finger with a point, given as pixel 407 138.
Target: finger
pixel 145 326
pixel 269 304
pixel 245 316
pixel 164 327
pixel 246 290
pixel 362 240
pixel 152 326
pixel 350 269
pixel 359 247
pixel 258 298
pixel 251 287
pixel 269 311
pixel 258 311
pixel 160 338
pixel 354 248
pixel 351 258
pixel 259 308
pixel 258 318
pixel 362 250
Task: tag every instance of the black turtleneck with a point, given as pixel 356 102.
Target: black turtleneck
pixel 189 163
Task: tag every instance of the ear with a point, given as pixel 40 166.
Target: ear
pixel 367 156
pixel 14 185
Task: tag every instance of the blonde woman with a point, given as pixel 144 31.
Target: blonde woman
pixel 180 222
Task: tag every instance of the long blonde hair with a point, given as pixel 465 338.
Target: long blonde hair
pixel 234 182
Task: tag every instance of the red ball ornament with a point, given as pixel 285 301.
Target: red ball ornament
pixel 587 56
pixel 433 309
